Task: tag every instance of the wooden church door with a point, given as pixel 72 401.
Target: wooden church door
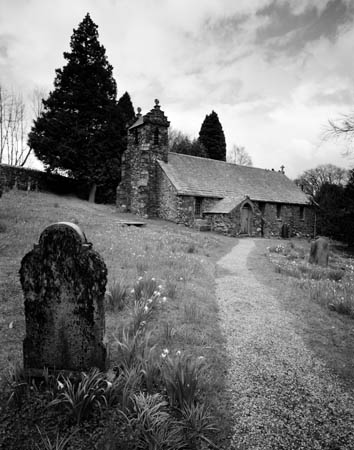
pixel 246 219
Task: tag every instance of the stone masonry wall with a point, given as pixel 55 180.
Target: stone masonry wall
pixel 138 191
pixel 289 215
pixel 168 199
pixel 272 225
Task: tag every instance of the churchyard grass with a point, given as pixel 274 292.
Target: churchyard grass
pixel 320 300
pixel 160 298
pixel 332 286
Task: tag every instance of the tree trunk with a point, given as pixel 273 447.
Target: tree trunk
pixel 92 195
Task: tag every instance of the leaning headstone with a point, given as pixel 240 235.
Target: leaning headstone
pixel 319 252
pixel 63 281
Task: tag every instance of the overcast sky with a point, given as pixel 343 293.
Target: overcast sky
pixel 273 71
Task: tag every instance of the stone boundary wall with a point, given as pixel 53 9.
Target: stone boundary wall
pixel 13 177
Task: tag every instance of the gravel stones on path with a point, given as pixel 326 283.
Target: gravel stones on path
pixel 281 395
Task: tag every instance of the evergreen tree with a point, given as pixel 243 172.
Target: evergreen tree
pixel 331 211
pixel 126 108
pixel 212 137
pixel 80 128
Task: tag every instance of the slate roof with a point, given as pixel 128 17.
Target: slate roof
pixel 137 123
pixel 225 205
pixel 204 177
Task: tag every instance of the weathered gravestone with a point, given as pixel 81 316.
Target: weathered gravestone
pixel 319 252
pixel 64 282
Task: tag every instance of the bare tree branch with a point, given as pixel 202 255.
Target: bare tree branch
pixel 238 155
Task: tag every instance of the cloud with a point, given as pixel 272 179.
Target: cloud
pixel 288 30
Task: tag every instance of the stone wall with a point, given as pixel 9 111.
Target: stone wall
pixel 13 177
pixel 290 215
pixel 169 202
pixel 139 190
pixel 228 224
pixel 265 222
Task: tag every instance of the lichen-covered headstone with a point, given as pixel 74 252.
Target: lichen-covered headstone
pixel 319 252
pixel 63 282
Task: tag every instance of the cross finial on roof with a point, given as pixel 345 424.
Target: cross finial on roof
pixel 139 111
pixel 282 167
pixel 157 103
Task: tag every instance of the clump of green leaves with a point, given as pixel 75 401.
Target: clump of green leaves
pixel 80 398
pixel 180 376
pixel 116 296
pixel 150 424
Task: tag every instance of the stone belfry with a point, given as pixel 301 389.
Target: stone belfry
pixel 147 143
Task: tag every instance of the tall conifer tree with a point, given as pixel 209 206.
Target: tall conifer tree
pixel 80 129
pixel 211 136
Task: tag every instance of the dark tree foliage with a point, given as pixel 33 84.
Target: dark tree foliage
pixel 80 128
pixel 181 143
pixel 126 109
pixel 212 137
pixel 332 213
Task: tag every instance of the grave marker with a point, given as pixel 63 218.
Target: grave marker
pixel 63 281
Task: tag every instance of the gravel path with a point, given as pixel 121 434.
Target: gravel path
pixel 282 396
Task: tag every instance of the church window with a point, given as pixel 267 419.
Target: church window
pixel 278 211
pixel 302 213
pixel 198 206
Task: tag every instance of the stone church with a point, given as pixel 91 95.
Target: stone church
pixel 205 193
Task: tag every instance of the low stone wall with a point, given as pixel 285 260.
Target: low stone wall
pixel 13 177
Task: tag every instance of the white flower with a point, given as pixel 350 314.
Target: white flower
pixel 60 385
pixel 149 300
pixel 160 286
pixel 164 299
pixel 178 353
pixel 153 279
pixel 165 352
pixel 132 291
pixel 140 278
pixel 146 308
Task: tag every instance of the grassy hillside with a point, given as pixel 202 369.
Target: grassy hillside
pixel 182 262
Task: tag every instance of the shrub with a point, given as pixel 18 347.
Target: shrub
pixel 150 368
pixel 141 312
pixel 197 424
pixel 145 288
pixel 116 296
pixel 168 332
pixel 180 375
pixel 150 424
pixel 127 347
pixel 79 398
pixel 17 384
pixel 58 444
